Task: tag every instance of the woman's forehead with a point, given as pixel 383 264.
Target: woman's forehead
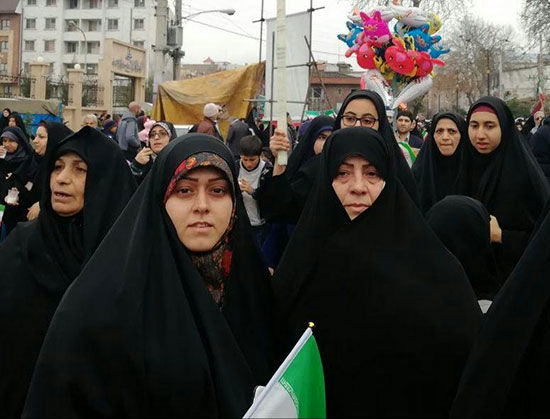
pixel 484 117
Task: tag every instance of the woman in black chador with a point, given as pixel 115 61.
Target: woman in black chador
pixel 395 315
pixel 437 166
pixel 170 317
pixel 87 186
pixel 498 170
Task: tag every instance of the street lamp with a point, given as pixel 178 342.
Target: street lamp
pixel 176 52
pixel 73 24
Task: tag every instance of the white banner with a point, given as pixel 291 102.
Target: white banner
pixel 297 78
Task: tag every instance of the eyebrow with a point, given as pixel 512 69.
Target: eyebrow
pixel 353 113
pixel 194 179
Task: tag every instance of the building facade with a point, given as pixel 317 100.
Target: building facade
pixel 67 32
pixel 10 51
pixel 339 81
pixel 208 66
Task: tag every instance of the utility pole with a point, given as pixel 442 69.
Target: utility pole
pixel 488 73
pixel 541 67
pixel 160 44
pixel 176 53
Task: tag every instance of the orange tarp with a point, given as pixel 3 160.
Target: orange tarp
pixel 182 101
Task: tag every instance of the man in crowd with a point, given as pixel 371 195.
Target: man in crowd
pixel 237 130
pixel 127 133
pixel 404 127
pixel 208 125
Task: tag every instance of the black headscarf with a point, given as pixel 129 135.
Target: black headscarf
pixel 4 120
pixel 394 312
pixel 462 224
pixel 434 173
pixel 384 128
pixel 304 150
pixel 139 335
pixel 41 258
pixel 508 370
pixel 22 153
pixel 19 123
pixel 508 181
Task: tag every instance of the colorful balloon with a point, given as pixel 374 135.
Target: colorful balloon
pixel 413 90
pixel 373 80
pixel 375 29
pixel 410 16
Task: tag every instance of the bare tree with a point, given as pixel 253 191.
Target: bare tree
pixel 536 15
pixel 477 47
pixel 444 8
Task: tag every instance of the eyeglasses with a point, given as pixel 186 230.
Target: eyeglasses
pixel 159 134
pixel 351 120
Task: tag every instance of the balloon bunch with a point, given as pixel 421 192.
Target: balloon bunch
pixel 401 61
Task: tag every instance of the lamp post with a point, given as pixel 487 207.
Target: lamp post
pixel 176 53
pixel 73 24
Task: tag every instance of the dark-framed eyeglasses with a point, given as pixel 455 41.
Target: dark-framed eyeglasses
pixel 351 120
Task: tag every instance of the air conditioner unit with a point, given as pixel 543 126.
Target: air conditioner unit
pixel 175 36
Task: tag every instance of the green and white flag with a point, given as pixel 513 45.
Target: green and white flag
pixel 297 390
pixel 2 209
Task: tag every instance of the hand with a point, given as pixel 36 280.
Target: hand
pixel 279 141
pixel 496 231
pixel 245 186
pixel 34 211
pixel 144 155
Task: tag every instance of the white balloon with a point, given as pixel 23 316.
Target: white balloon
pixel 373 80
pixel 413 90
pixel 410 16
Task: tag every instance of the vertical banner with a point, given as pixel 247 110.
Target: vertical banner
pixel 280 73
pixel 297 56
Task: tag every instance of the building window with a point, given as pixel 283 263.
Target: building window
pixel 139 3
pixel 50 23
pixel 50 2
pixel 3 46
pixel 29 45
pixel 91 69
pixel 73 4
pixel 30 23
pixel 112 24
pixel 93 4
pixel 69 26
pixel 31 2
pixel 92 47
pixel 26 68
pixel 52 68
pixel 71 47
pixel 5 24
pixel 317 92
pixel 139 24
pixel 7 90
pixel 93 25
pixel 140 44
pixel 112 3
pixel 49 45
pixel 3 68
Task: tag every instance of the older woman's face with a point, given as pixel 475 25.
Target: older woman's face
pixel 40 141
pixel 5 113
pixel 68 183
pixel 200 208
pixel 446 136
pixel 9 144
pixel 158 139
pixel 357 185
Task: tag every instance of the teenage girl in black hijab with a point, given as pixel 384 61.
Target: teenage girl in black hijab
pixel 508 370
pixel 154 328
pixel 16 120
pixel 462 224
pixel 16 171
pixel 500 171
pixel 4 118
pixel 437 165
pixel 41 258
pixel 394 312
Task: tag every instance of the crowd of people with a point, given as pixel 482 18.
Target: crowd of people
pixel 150 275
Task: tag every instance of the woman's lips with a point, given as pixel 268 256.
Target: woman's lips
pixel 201 226
pixel 61 196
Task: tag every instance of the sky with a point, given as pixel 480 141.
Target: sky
pixel 201 41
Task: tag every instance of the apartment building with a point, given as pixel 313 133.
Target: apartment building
pixel 67 32
pixel 10 51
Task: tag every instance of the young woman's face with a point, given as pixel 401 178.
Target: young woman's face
pixel 12 122
pixel 5 113
pixel 9 144
pixel 67 183
pixel 200 208
pixel 40 141
pixel 158 139
pixel 446 136
pixel 363 109
pixel 320 141
pixel 357 185
pixel 484 132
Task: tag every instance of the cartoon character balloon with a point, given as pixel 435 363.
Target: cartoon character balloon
pixel 375 29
